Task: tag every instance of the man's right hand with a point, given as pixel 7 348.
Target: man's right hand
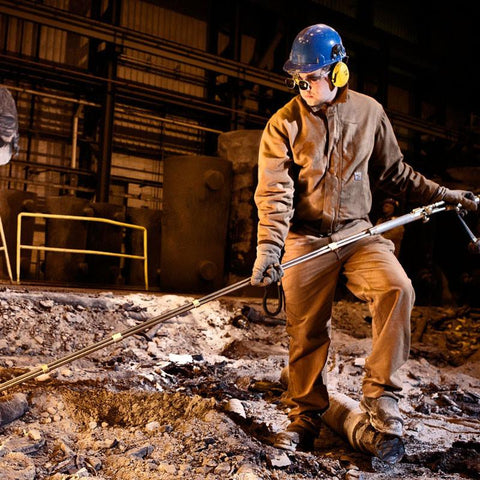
pixel 267 268
pixel 467 199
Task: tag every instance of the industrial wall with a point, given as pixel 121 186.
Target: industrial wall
pixel 108 90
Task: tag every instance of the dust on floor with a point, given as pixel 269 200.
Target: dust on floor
pixel 198 396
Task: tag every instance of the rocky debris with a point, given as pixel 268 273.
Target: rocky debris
pixel 17 466
pixel 28 443
pixel 198 396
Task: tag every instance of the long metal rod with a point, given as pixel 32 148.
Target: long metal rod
pixel 417 214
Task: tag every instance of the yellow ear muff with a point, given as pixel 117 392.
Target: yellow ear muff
pixel 340 74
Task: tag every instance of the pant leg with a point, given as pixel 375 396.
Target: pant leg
pixel 375 275
pixel 309 293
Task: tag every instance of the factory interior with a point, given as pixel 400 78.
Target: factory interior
pixel 129 207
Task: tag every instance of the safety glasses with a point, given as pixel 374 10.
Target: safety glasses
pixel 304 84
pixel 293 82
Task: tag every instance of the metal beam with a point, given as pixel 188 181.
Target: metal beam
pixel 126 38
pixel 122 36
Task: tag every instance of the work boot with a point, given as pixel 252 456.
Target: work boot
pixel 300 434
pixel 383 414
pixel 12 407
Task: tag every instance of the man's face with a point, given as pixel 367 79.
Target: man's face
pixel 321 89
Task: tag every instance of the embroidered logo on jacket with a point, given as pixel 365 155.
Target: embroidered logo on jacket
pixel 357 176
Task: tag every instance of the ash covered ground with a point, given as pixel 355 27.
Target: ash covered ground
pixel 198 396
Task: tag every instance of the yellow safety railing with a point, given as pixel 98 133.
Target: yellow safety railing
pixel 143 257
pixel 5 249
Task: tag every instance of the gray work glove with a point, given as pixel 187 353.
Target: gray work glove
pixel 267 268
pixel 462 197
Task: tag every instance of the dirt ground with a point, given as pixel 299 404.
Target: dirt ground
pixel 198 395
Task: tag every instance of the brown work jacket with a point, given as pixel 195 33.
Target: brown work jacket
pixel 317 168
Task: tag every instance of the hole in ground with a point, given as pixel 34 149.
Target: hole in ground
pixel 133 408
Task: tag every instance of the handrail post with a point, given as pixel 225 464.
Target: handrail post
pixel 5 248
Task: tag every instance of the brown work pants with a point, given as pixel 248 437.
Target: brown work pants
pixel 374 275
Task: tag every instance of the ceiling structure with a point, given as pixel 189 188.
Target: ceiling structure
pixel 230 73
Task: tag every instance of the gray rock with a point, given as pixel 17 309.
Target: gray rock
pixel 141 452
pixel 12 407
pixel 280 460
pixel 25 445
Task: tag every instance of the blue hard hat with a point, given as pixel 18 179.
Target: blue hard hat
pixel 315 47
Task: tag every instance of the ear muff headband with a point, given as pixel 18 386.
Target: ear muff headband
pixel 340 74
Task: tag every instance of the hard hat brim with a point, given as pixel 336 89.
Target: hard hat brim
pixel 291 67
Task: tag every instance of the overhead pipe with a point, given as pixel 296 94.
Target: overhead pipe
pixel 121 109
pixel 125 38
pixel 141 91
pixel 76 117
pixel 130 111
pixel 50 95
pixel 73 163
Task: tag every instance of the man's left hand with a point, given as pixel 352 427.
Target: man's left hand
pixel 468 200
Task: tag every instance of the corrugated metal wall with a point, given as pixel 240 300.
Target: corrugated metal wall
pixel 152 135
pixel 137 130
pixel 37 113
pixel 40 154
pixel 157 21
pixel 163 73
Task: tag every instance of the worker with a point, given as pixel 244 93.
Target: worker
pixel 8 126
pixel 320 156
pixel 11 406
pixel 389 212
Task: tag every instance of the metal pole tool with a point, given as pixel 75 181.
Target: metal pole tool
pixel 422 213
